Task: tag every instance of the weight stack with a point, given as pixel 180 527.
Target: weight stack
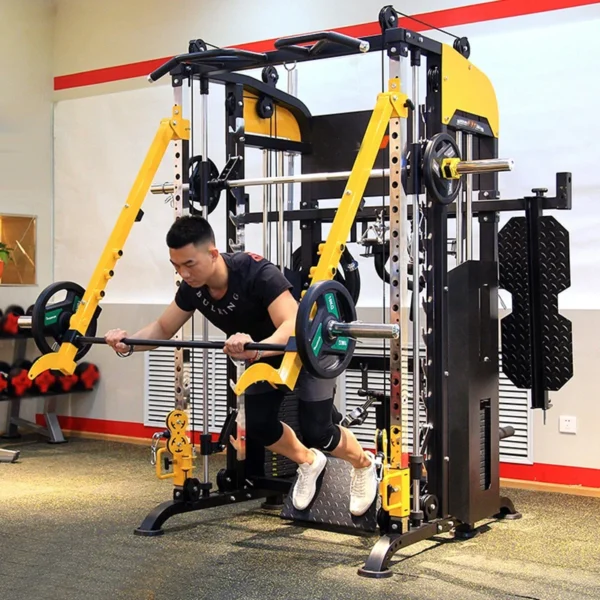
pixel 473 396
pixel 537 343
pixel 275 464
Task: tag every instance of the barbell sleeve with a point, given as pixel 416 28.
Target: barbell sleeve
pixel 167 188
pixel 356 329
pixel 491 165
pixel 24 322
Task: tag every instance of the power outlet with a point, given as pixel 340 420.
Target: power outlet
pixel 567 424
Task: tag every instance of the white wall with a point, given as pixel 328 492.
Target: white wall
pixel 544 90
pixel 26 36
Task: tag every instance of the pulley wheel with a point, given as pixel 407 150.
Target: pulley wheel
pixel 323 355
pixel 53 320
pixel 440 147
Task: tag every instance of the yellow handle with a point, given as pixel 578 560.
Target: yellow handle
pixel 159 471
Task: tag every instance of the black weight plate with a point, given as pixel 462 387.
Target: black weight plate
pixel 214 193
pixel 53 320
pixel 321 355
pixel 440 146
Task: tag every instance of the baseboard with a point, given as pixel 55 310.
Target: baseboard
pixel 565 477
pixel 540 486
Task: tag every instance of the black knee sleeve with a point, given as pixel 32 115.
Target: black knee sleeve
pixel 316 425
pixel 262 417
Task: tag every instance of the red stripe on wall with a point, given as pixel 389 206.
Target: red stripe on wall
pixel 121 428
pixel 463 15
pixel 557 474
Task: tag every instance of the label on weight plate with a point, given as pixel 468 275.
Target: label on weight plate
pixel 331 304
pixel 51 317
pixel 317 341
pixel 341 344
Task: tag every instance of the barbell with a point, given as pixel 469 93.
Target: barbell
pixel 326 328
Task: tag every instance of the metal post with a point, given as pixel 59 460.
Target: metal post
pixel 459 207
pixel 416 313
pixel 205 407
pixel 469 199
pixel 280 221
pixel 266 196
pixel 292 89
pixel 399 258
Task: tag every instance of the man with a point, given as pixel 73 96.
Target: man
pixel 249 299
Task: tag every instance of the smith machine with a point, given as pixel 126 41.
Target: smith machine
pixel 424 156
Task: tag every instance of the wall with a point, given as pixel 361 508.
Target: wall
pixel 106 113
pixel 26 36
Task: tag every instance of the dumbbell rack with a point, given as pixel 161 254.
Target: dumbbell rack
pixel 52 430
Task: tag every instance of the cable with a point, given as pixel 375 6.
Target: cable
pixel 456 37
pixel 191 153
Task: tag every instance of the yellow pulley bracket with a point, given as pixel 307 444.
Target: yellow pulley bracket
pixel 179 447
pixel 173 128
pixel 394 486
pixel 390 105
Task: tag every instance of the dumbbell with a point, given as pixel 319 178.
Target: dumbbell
pixel 18 380
pixel 4 374
pixel 9 323
pixel 64 383
pixel 44 382
pixel 88 374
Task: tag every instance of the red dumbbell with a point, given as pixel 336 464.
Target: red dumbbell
pixel 88 374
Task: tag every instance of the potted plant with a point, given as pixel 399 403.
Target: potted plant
pixel 5 253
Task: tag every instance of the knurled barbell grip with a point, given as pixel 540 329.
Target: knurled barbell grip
pixel 182 344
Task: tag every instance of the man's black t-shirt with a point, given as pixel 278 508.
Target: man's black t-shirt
pixel 253 283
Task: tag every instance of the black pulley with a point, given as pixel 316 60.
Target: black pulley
pixel 462 46
pixel 324 355
pixel 53 320
pixel 269 75
pixel 265 107
pixel 388 18
pixel 440 147
pixel 214 191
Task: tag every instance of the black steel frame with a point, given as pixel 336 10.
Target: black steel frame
pixel 395 42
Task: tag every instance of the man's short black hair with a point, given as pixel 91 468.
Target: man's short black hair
pixel 190 229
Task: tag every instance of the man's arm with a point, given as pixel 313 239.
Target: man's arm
pixel 164 328
pixel 283 311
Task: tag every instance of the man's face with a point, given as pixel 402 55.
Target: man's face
pixel 195 264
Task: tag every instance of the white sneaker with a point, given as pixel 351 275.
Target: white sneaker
pixel 363 488
pixel 306 484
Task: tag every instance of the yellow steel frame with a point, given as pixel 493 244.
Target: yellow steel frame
pixel 390 105
pixel 173 128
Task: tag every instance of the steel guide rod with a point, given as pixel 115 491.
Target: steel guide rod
pixel 205 407
pixel 469 195
pixel 416 342
pixel 459 208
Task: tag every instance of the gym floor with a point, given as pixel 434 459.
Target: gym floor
pixel 67 515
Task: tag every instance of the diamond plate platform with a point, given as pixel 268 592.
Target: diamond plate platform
pixel 554 270
pixel 331 504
